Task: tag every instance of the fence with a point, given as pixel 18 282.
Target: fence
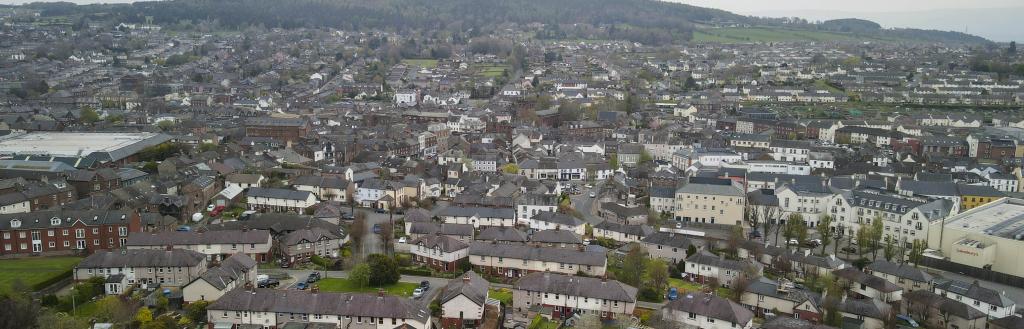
pixel 974 272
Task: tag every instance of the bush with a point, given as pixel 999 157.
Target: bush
pixel 46 283
pixel 861 263
pixel 49 300
pixel 648 294
pixel 415 271
pixel 384 270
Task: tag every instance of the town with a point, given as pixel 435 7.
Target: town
pixel 192 175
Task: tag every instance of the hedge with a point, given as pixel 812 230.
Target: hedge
pixel 415 271
pixel 48 282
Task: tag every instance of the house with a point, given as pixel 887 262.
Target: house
pixel 502 235
pixel 706 311
pixel 273 308
pixel 278 199
pixel 301 244
pixel 765 295
pixel 556 238
pixel 530 205
pixel 463 301
pixel 513 261
pixel 463 232
pixel 244 180
pixel 709 203
pixel 869 312
pixel 626 215
pixel 173 267
pixel 905 275
pixel 933 310
pixel 216 245
pixel 235 271
pixel 669 246
pixel 478 216
pixel 65 232
pixel 621 232
pixel 547 220
pixel 704 266
pixel 440 252
pixel 325 188
pixel 867 285
pixel 566 295
pixel 993 303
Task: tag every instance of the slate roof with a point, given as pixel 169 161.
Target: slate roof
pixel 306 235
pixel 278 193
pixel 711 306
pixel 557 218
pixel 276 223
pixel 576 286
pixel 905 271
pixel 506 234
pixel 945 305
pixel 974 291
pixel 446 229
pixel 855 275
pixel 454 211
pixel 668 239
pixel 142 258
pixel 470 284
pixel 710 189
pixel 444 243
pixel 704 257
pixel 557 255
pixel 41 219
pixel 333 303
pixel 230 269
pixel 555 236
pixel 169 238
pixel 638 230
pixel 872 308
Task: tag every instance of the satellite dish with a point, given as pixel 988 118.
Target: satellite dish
pixel 197 217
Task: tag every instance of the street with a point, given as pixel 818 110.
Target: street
pixel 586 205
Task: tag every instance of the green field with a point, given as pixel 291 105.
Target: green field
pixel 770 34
pixel 424 63
pixel 686 286
pixel 344 285
pixel 501 294
pixel 490 71
pixel 31 271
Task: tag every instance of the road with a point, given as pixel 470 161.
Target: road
pixel 436 284
pixel 586 205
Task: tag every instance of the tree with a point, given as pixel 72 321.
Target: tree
pixel 18 312
pixel 144 316
pixel 741 283
pixel 360 275
pixel 633 265
pixel 877 228
pixel 387 236
pixel 510 168
pixel 197 311
pixel 735 238
pixel 917 251
pixel 657 275
pixel 112 309
pixel 357 231
pixel 890 249
pixel 613 161
pixel 795 228
pixel 89 115
pixel 645 157
pixel 383 270
pixel 165 125
pixel 863 238
pixel 825 228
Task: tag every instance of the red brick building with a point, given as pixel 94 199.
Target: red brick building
pixel 65 232
pixel 285 129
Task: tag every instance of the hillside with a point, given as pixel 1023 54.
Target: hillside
pixel 647 21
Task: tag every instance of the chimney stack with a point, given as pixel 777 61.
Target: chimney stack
pixel 465 279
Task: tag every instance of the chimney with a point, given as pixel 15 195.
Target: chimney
pixel 465 279
pixel 380 293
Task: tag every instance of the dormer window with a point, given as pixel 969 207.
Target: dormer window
pixel 15 223
pixel 55 221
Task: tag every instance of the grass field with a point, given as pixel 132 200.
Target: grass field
pixel 424 63
pixel 686 286
pixel 491 71
pixel 501 294
pixel 770 34
pixel 344 285
pixel 33 270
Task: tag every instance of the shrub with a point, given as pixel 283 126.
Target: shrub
pixel 46 283
pixel 650 295
pixel 415 271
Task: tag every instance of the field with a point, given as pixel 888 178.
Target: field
pixel 686 286
pixel 501 294
pixel 344 285
pixel 770 34
pixel 31 271
pixel 424 63
pixel 491 71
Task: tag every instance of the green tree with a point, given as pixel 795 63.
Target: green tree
pixel 890 249
pixel 613 161
pixel 165 125
pixel 863 238
pixel 383 270
pixel 656 275
pixel 877 228
pixel 917 251
pixel 111 309
pixel 825 228
pixel 144 316
pixel 645 157
pixel 510 168
pixel 795 228
pixel 197 311
pixel 633 265
pixel 360 275
pixel 89 115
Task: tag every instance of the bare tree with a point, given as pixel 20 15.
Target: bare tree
pixel 357 232
pixel 387 235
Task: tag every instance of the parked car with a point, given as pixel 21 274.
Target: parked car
pixel 347 217
pixel 402 240
pixel 793 242
pixel 425 285
pixel 380 211
pixel 268 283
pixel 849 249
pixel 906 321
pixel 285 263
pixel 418 292
pixel 754 234
pixel 216 211
pixel 302 286
pixel 184 228
pixel 592 194
pixel 313 277
pixel 376 228
pixel 210 208
pixel 673 293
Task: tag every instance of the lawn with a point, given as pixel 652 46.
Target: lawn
pixel 540 322
pixel 501 294
pixel 31 271
pixel 344 285
pixel 491 71
pixel 686 286
pixel 424 63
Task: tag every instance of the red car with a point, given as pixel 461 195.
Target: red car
pixel 216 211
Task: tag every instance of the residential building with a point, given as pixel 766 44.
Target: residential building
pixel 565 295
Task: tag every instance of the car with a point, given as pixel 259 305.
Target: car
pixel 586 242
pixel 210 208
pixel 380 211
pixel 216 211
pixel 673 293
pixel 588 186
pixel 313 277
pixel 376 228
pixel 906 321
pixel 679 225
pixel 812 243
pixel 285 263
pixel 347 217
pixel 402 240
pixel 592 194
pixel 268 283
pixel 769 314
pixel 418 292
pixel 754 234
pixel 301 286
pixel 849 250
pixel 184 228
pixel 425 285
pixel 793 242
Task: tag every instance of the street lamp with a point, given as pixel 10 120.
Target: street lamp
pixel 74 309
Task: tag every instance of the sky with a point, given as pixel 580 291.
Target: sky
pixel 998 20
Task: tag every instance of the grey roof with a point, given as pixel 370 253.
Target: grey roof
pixel 711 306
pixel 557 255
pixel 278 193
pixel 455 211
pixel 557 218
pixel 196 238
pixel 307 235
pixel 638 230
pixel 441 242
pixel 872 308
pixel 668 239
pixel 497 233
pixel 320 181
pixel 576 286
pixel 42 219
pixel 555 236
pixel 905 271
pixel 663 192
pixel 945 305
pixel 712 189
pixel 446 229
pixel 855 275
pixel 276 223
pixel 979 190
pixel 928 187
pixel 704 257
pixel 230 269
pixel 308 302
pixel 768 287
pixel 785 322
pixel 470 284
pixel 975 291
pixel 143 258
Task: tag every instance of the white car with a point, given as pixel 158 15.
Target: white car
pixel 593 195
pixel 210 208
pixel 401 240
pixel 793 242
pixel 417 293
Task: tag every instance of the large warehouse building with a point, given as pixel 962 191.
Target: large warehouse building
pixel 96 147
pixel 989 236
